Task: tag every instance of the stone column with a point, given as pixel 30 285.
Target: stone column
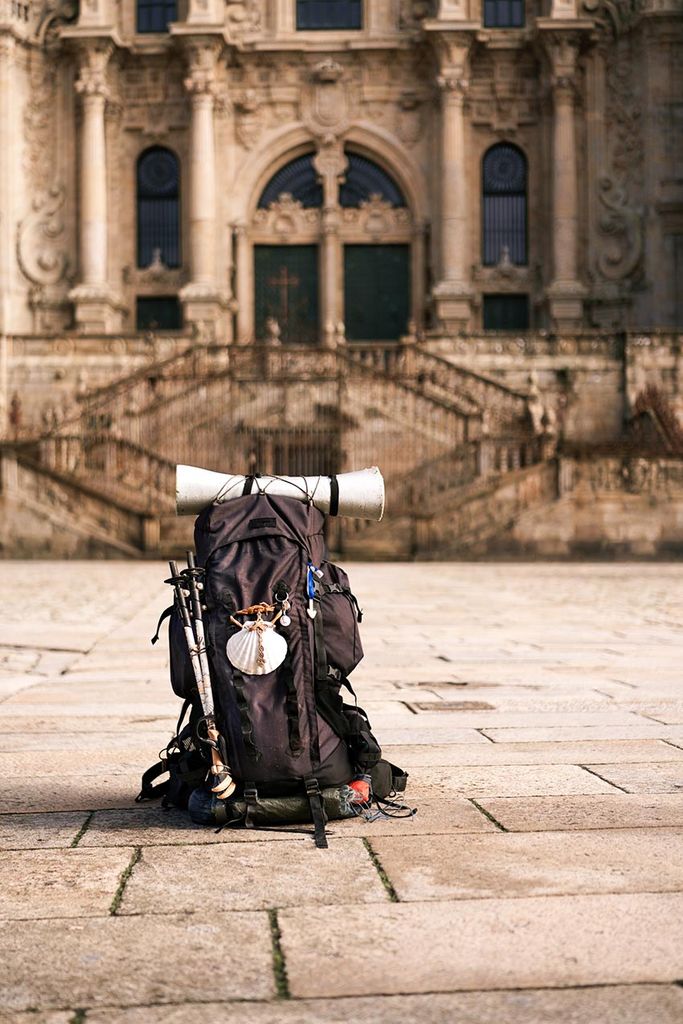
pixel 203 301
pixel 7 218
pixel 330 163
pixel 98 309
pixel 452 293
pixel 566 291
pixel 244 288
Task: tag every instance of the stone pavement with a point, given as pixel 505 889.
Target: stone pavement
pixel 539 710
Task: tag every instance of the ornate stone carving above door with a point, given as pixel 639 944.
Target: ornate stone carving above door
pixel 328 100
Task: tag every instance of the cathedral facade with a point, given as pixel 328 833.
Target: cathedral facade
pixel 492 185
pixel 462 165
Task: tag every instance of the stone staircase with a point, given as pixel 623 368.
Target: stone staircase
pixel 436 430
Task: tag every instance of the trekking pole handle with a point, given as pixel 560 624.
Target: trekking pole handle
pixel 181 597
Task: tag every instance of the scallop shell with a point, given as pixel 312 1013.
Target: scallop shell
pixel 253 654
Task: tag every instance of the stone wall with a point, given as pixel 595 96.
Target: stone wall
pixel 613 508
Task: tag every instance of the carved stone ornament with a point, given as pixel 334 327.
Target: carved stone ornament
pixel 326 103
pixel 201 67
pixel 287 217
pixel 53 15
pixel 622 225
pixel 620 222
pixel 330 163
pixel 412 12
pixel 614 17
pixel 249 122
pixel 242 17
pixel 41 251
pixel 409 117
pixel 376 217
pixel 92 74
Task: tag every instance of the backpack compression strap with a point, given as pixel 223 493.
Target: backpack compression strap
pixel 317 811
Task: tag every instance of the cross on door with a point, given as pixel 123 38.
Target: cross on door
pixel 284 280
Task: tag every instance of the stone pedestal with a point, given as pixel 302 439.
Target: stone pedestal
pixel 97 309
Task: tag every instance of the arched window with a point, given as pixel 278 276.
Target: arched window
pixel 504 205
pixel 297 178
pixel 155 15
pixel 503 13
pixel 364 178
pixel 158 201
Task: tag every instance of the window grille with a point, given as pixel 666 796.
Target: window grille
pixel 364 178
pixel 504 204
pixel 506 312
pixel 328 14
pixel 158 202
pixel 154 15
pixel 503 13
pixel 299 179
pixel 158 313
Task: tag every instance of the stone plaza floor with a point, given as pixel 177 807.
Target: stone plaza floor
pixel 539 711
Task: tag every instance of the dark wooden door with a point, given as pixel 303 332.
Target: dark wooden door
pixel 376 291
pixel 286 279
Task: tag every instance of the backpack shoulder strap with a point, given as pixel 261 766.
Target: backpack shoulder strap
pixel 164 615
pixel 148 791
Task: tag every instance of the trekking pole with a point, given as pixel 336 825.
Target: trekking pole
pixel 196 645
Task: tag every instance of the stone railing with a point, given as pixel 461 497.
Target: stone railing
pixel 129 475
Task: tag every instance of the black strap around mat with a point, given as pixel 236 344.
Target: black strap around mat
pixel 334 496
pixel 249 482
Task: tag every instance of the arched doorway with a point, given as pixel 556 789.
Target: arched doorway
pixel 331 252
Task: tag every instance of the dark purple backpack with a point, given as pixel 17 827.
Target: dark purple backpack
pixel 291 742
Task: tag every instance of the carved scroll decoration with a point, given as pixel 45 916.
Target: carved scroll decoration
pixel 620 222
pixel 42 246
pixel 41 257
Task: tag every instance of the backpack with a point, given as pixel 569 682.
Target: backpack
pixel 295 749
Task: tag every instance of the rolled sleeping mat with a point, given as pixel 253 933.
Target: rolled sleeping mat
pixel 356 495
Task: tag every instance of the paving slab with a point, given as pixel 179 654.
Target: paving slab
pixel 395 735
pixel 104 725
pixel 77 793
pixel 99 759
pixel 129 961
pixel 643 730
pixel 60 883
pixel 80 743
pixel 586 752
pixel 551 941
pixel 533 864
pixel 628 1004
pixel 655 777
pixel 14 708
pixel 498 780
pixel 488 720
pixel 618 810
pixel 254 876
pixel 33 831
pixel 50 1017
